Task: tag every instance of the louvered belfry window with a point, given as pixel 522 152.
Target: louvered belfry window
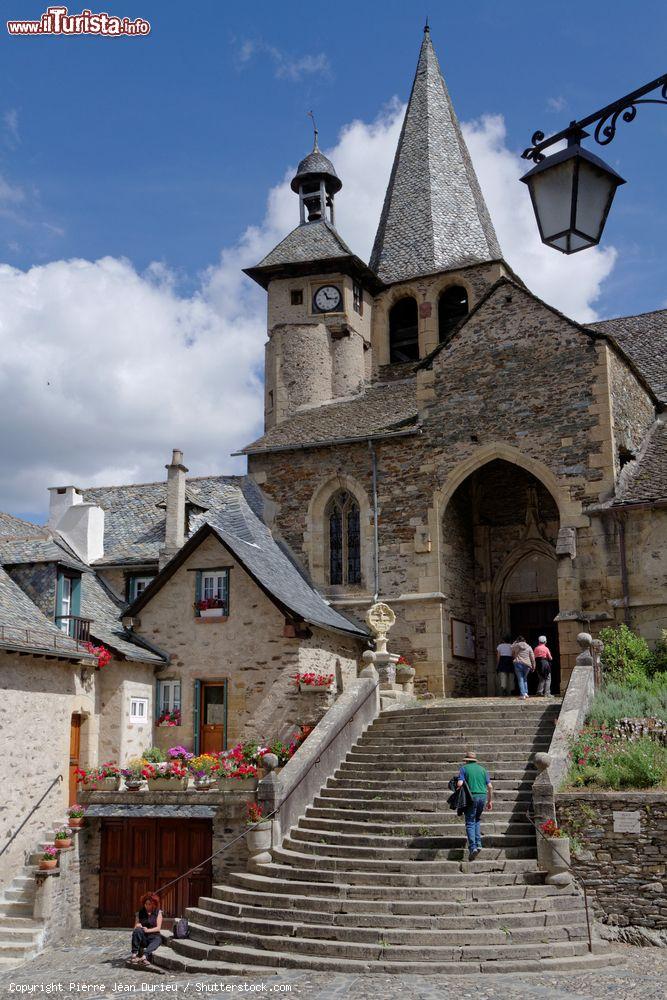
pixel 344 533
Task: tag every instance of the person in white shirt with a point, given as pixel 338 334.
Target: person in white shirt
pixel 505 665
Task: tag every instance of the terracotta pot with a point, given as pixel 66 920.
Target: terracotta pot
pixel 61 844
pixel 76 822
pixel 47 866
pixel 104 785
pixel 167 784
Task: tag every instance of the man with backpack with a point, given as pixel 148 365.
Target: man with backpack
pixel 478 781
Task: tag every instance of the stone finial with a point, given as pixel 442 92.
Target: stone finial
pixel 584 641
pixel 381 620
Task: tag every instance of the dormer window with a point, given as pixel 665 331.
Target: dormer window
pixel 68 606
pixel 136 584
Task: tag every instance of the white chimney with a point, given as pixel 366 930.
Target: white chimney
pixel 80 524
pixel 174 533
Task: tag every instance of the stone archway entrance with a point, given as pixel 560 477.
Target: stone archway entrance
pixel 499 571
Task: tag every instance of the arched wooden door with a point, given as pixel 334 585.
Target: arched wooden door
pixel 74 754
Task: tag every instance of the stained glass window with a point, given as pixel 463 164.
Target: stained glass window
pixel 344 539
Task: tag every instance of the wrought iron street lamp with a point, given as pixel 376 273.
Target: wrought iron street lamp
pixel 572 190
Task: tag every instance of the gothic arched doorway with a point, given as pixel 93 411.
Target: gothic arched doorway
pixel 499 575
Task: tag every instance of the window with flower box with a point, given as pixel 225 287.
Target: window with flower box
pixel 168 703
pixel 212 594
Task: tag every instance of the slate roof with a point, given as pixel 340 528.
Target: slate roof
pixel 384 408
pixel 309 241
pixel 253 545
pixel 646 479
pixel 134 515
pixel 16 527
pixel 38 550
pixel 24 627
pixel 98 603
pixel 434 216
pixel 644 339
pixel 315 165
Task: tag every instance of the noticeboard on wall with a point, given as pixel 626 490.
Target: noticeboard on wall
pixel 464 644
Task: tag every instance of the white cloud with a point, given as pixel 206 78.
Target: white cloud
pixel 10 194
pixel 285 66
pixel 105 370
pixel 556 104
pixel 10 120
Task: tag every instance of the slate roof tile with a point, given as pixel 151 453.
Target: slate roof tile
pixel 382 408
pixel 310 241
pixel 643 339
pixel 24 627
pixel 646 479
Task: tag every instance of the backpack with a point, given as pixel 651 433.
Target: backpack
pixel 181 928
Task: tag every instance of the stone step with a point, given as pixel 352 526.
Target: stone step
pixel 390 744
pixel 257 906
pixel 426 840
pixel 346 796
pixel 432 770
pixel 213 928
pixel 531 713
pixel 29 935
pixel 12 908
pixel 20 894
pixel 166 958
pixel 441 861
pixel 413 733
pixel 509 781
pixel 17 950
pixel 469 889
pixel 311 953
pixel 263 896
pixel 414 826
pixel 367 877
pixel 425 758
pixel 21 922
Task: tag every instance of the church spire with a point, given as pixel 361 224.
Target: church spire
pixel 434 216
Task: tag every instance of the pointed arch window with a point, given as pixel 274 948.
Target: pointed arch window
pixel 403 331
pixel 452 306
pixel 344 536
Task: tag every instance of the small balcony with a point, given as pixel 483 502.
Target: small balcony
pixel 74 626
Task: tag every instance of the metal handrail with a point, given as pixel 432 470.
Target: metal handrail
pixel 264 819
pixel 576 878
pixel 55 781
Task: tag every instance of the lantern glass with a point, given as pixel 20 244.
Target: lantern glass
pixel 572 192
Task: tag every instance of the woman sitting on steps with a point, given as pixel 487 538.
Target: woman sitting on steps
pixel 146 935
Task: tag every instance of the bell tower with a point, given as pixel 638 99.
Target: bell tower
pixel 320 298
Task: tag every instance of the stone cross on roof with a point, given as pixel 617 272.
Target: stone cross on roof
pixel 434 216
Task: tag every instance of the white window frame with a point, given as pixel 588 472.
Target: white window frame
pixel 140 584
pixel 136 717
pixel 215 585
pixel 172 690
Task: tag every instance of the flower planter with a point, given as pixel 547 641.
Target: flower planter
pixel 204 784
pixel 404 674
pixel 237 784
pixel 316 688
pixel 103 785
pixel 212 613
pixel 63 843
pixel 258 842
pixel 75 823
pixel 167 784
pixel 553 855
pixel 133 785
pixel 47 866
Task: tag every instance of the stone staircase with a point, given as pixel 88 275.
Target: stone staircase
pixel 374 878
pixel 21 937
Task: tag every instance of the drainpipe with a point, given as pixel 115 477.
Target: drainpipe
pixel 620 519
pixel 376 536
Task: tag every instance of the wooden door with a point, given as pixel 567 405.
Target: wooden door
pixel 141 855
pixel 213 717
pixel 74 754
pixel 532 619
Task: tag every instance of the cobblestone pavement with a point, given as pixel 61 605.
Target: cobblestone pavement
pixel 94 966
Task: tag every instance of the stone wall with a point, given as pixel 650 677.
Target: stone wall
pixel 632 408
pixel 625 872
pixel 117 684
pixel 247 649
pixel 58 897
pixel 37 699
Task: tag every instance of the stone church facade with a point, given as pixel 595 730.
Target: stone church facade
pixel 438 436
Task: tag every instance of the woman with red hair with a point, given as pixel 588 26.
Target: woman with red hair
pixel 146 934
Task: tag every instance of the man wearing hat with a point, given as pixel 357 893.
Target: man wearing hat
pixel 478 781
pixel 543 660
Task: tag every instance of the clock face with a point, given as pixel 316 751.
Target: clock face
pixel 327 298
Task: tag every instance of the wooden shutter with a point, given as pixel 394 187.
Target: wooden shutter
pixel 76 595
pixel 195 714
pixel 198 576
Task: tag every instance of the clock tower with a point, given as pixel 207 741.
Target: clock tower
pixel 320 298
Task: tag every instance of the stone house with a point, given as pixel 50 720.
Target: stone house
pixel 492 465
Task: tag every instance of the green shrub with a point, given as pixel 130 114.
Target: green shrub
pixel 601 760
pixel 154 755
pixel 646 698
pixel 660 655
pixel 626 655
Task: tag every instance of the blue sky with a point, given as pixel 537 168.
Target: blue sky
pixel 163 148
pixel 138 176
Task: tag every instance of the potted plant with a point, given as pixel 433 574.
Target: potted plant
pixel 211 607
pixel 258 834
pixel 48 859
pixel 179 754
pixel 203 770
pixel 553 848
pixel 62 839
pixel 172 718
pixel 76 816
pixel 134 774
pixel 105 778
pixel 168 776
pixel 236 776
pixel 405 672
pixel 315 683
pixel 154 755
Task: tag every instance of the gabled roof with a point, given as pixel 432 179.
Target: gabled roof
pixel 645 481
pixel 24 628
pixel 643 339
pixel 134 515
pixel 16 527
pixel 38 550
pixel 382 410
pixel 434 216
pixel 105 610
pixel 248 539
